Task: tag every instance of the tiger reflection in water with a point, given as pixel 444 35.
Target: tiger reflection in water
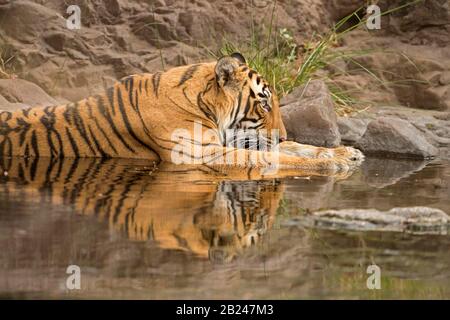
pixel 197 208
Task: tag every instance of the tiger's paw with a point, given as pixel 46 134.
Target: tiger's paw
pixel 342 160
pixel 351 156
pixel 347 155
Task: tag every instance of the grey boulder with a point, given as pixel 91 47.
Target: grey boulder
pixel 397 137
pixel 309 117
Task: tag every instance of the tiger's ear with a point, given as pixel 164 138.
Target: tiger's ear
pixel 239 57
pixel 226 71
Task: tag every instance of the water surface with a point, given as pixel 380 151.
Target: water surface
pixel 146 231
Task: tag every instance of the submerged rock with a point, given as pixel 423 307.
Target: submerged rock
pixel 417 220
pixel 309 117
pixel 394 136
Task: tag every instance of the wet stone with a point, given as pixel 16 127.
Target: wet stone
pixel 416 220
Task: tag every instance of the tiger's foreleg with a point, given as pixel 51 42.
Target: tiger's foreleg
pixel 351 155
pixel 276 160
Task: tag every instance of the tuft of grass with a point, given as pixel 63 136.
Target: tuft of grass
pixel 7 58
pixel 287 65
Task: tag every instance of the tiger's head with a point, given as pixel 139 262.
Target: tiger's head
pixel 249 105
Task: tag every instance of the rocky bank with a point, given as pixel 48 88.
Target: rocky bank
pixel 408 83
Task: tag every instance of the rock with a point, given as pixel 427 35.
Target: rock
pixel 56 40
pixel 25 93
pixel 351 129
pixel 3 101
pixel 425 22
pixel 5 3
pixel 434 125
pixel 147 36
pixel 309 117
pixel 398 137
pixel 417 220
pixel 444 78
pixel 341 8
pixel 416 80
pixel 424 95
pixel 6 106
pixel 409 55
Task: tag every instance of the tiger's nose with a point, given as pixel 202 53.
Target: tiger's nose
pixel 282 139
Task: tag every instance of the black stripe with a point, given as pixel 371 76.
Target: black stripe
pixel 107 116
pixel 235 117
pixel 247 106
pixel 24 127
pixel 127 122
pixel 72 143
pixel 68 177
pixel 136 103
pixel 79 126
pixel 27 153
pixel 105 135
pixel 131 92
pixel 91 116
pixel 82 181
pixel 97 144
pixel 205 109
pixel 6 145
pixel 250 119
pixel 188 74
pixel 68 112
pixel 110 96
pixel 33 168
pixel 50 112
pixel 121 202
pixel 146 85
pixel 255 127
pixel 34 144
pixel 26 112
pixel 155 80
pixel 48 120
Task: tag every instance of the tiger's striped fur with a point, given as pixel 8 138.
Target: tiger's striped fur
pixel 137 116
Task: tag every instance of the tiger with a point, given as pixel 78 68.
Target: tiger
pixel 137 116
pixel 212 214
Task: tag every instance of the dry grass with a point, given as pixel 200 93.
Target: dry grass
pixel 7 59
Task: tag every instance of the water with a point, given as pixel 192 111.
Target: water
pixel 142 231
